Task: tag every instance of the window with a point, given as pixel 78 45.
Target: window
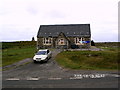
pixel 76 40
pixel 61 41
pixel 50 41
pixel 41 53
pixel 44 40
pixel 47 41
pixel 79 41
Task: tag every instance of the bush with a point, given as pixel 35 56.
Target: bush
pixel 92 43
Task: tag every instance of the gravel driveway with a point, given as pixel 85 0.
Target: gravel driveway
pixel 33 69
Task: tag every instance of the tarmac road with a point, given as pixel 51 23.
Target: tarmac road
pixel 51 75
pixel 64 83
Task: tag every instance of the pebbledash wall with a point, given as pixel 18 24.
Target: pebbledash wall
pixel 64 36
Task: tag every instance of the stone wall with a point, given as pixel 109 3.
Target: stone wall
pixel 69 43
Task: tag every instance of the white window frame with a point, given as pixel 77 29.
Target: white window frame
pixel 78 40
pixel 47 41
pixel 61 40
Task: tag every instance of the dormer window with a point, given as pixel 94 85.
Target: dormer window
pixel 67 32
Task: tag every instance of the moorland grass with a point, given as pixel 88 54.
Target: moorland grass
pixel 93 60
pixel 16 51
pixel 12 55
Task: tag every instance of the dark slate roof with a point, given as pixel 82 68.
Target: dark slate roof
pixel 81 30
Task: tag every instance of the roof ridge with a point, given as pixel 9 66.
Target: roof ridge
pixel 64 24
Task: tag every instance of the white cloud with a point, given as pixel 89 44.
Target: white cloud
pixel 25 17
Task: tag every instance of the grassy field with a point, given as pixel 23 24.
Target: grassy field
pixel 0 58
pixel 15 51
pixel 18 44
pixel 90 60
pixel 107 44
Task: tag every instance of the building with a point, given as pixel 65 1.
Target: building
pixel 64 36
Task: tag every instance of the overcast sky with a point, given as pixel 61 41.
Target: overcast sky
pixel 20 19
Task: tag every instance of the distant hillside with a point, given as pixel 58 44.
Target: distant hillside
pixel 20 44
pixel 107 44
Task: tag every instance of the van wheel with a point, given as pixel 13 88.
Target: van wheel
pixel 35 61
pixel 46 59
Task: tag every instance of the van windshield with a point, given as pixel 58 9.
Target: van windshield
pixel 41 53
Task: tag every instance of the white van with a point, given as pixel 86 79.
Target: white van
pixel 42 55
